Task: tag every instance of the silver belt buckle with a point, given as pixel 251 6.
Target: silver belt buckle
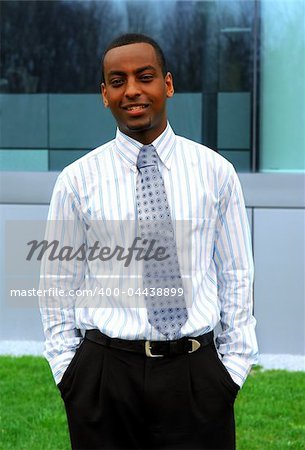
pixel 195 345
pixel 148 351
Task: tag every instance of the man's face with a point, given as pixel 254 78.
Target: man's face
pixel 135 90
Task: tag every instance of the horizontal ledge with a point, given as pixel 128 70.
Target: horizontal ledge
pixel 281 190
pixel 282 362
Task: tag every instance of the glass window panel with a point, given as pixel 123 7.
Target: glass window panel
pixel 78 121
pixel 282 81
pixel 185 113
pixel 24 122
pixel 240 159
pixel 234 120
pixel 58 159
pixel 23 160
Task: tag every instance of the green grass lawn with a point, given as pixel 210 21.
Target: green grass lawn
pixel 270 409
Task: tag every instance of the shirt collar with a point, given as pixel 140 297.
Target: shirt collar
pixel 128 148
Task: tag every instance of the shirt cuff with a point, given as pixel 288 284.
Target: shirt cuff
pixel 60 363
pixel 239 367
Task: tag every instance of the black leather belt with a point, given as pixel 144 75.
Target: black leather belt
pixel 152 349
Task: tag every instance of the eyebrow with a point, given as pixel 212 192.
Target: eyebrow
pixel 139 70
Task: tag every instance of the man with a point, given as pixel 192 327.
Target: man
pixel 147 373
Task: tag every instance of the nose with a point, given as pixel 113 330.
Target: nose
pixel 132 89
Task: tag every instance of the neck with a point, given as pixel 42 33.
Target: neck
pixel 145 137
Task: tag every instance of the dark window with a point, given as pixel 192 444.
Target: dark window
pixel 210 51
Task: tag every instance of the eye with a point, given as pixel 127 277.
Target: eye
pixel 116 82
pixel 146 77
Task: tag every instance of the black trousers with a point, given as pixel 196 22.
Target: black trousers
pixel 116 399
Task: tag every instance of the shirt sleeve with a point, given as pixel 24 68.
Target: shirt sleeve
pixel 235 270
pixel 60 278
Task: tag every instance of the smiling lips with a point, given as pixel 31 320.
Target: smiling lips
pixel 135 108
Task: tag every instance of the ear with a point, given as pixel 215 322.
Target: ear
pixel 169 85
pixel 104 95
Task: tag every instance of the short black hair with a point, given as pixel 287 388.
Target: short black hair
pixel 135 38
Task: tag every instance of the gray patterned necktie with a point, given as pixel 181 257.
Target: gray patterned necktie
pixel 166 312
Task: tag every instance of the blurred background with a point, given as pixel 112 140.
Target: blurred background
pixel 239 73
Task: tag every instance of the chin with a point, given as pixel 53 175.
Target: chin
pixel 139 126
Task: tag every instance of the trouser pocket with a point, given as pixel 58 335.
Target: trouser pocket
pixel 70 369
pixel 226 377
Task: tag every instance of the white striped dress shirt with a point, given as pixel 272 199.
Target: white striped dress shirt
pixel 202 188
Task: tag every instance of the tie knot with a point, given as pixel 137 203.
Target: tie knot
pixel 147 157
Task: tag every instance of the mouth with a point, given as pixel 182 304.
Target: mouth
pixel 135 108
